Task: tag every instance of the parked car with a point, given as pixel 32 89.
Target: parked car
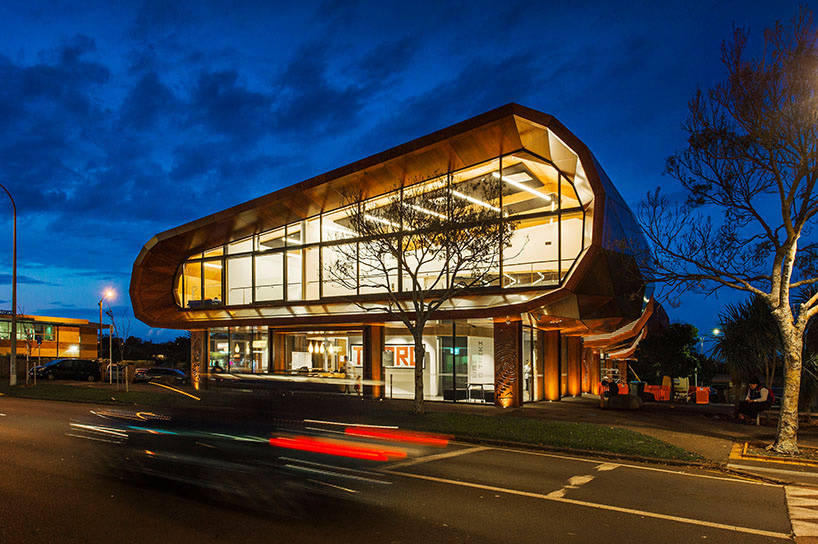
pixel 169 376
pixel 114 373
pixel 68 369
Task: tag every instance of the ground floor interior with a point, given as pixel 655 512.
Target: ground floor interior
pixel 505 362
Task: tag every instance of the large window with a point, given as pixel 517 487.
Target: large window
pixel 549 207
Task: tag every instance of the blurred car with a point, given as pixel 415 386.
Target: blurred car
pixel 168 376
pixel 68 369
pixel 274 467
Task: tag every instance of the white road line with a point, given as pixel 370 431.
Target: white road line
pixel 773 470
pixel 556 498
pixel 437 456
pixel 637 467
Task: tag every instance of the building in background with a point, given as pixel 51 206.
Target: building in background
pixel 49 337
pixel 567 301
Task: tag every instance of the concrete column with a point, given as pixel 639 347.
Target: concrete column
pixel 508 362
pixel 374 337
pixel 199 357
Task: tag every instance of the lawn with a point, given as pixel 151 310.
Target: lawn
pixel 94 395
pixel 535 431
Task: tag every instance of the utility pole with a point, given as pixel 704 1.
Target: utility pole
pixel 13 357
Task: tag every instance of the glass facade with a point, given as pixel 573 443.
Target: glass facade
pixel 548 208
pixel 239 349
pixel 28 330
pixel 458 363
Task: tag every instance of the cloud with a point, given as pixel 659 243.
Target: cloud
pixel 60 304
pixel 6 279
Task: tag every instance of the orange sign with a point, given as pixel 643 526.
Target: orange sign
pixel 403 355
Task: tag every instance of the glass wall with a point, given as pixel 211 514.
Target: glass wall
pixel 239 349
pixel 458 365
pixel 302 261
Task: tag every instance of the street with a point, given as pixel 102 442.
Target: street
pixel 50 492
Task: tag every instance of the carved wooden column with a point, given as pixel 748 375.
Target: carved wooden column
pixel 541 351
pixel 279 352
pixel 587 354
pixel 508 362
pixel 199 358
pixel 374 337
pixel 595 365
pixel 551 365
pixel 573 351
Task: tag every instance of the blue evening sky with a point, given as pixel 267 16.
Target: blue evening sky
pixel 119 120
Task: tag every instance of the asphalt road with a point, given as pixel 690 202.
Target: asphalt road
pixel 51 492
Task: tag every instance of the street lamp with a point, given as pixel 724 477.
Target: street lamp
pixel 713 334
pixel 109 293
pixel 13 357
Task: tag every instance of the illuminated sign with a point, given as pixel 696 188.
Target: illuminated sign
pixel 402 355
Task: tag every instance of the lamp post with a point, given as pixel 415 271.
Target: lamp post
pixel 109 293
pixel 714 333
pixel 13 357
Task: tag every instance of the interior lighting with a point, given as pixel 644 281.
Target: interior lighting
pixel 519 185
pixel 312 349
pixel 321 349
pixel 424 210
pixel 213 265
pixel 293 241
pixel 381 220
pixel 473 200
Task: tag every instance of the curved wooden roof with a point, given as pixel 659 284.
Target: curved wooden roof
pixel 481 138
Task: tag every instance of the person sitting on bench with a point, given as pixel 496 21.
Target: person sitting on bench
pixel 611 389
pixel 757 400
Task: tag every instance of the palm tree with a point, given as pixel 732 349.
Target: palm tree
pixel 751 344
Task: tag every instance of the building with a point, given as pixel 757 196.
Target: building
pixel 49 337
pixel 565 305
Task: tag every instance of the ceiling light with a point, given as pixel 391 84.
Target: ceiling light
pixel 213 265
pixel 473 200
pixel 381 220
pixel 424 210
pixel 519 185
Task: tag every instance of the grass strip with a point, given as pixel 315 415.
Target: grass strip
pixel 558 434
pixel 94 395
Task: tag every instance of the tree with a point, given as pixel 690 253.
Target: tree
pixel 749 171
pixel 751 342
pixel 419 247
pixel 672 352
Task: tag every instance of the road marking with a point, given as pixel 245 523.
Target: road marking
pixel 556 498
pixel 802 504
pixel 637 467
pixel 576 481
pixel 604 467
pixel 437 456
pixel 807 474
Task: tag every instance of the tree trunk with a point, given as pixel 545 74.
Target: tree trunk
pixel 419 357
pixel 786 440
